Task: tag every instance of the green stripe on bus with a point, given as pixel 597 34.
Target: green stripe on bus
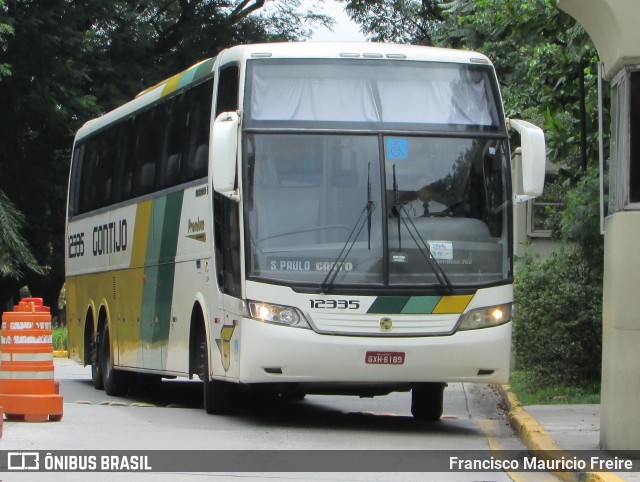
pixel 415 305
pixel 162 244
pixel 420 304
pixel 166 268
pixel 204 68
pixel 388 304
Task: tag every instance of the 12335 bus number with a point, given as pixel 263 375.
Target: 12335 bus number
pixel 336 304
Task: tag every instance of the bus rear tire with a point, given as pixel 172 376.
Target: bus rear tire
pixel 116 382
pixel 427 401
pixel 96 370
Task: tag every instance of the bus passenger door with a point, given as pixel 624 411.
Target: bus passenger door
pixel 227 252
pixel 225 335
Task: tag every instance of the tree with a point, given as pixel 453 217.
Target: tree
pixel 399 21
pixel 5 31
pixel 15 255
pixel 71 60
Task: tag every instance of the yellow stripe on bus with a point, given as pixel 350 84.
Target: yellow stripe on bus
pixel 143 218
pixel 452 304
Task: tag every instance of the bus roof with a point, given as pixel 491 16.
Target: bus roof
pixel 361 50
pixel 292 50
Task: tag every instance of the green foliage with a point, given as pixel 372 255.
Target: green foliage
pixel 558 301
pixel 531 391
pixel 557 331
pixel 579 223
pixel 15 254
pixel 399 21
pixel 6 30
pixel 59 337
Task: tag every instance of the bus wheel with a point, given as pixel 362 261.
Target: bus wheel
pixel 96 370
pixel 427 401
pixel 115 381
pixel 220 397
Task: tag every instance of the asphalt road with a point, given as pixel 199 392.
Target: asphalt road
pixel 170 418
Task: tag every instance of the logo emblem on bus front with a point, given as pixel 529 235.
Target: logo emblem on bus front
pixel 386 324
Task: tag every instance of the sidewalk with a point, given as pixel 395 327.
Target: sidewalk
pixel 553 431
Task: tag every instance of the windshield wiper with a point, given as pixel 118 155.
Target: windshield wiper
pixel 398 207
pixel 443 279
pixel 368 209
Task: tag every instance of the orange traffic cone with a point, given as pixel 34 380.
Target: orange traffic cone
pixel 27 389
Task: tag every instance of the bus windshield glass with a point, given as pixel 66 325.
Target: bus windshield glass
pixel 422 95
pixel 317 207
pixel 352 204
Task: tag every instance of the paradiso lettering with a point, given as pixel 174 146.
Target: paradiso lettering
pixel 110 238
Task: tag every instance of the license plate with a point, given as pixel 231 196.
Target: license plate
pixel 384 357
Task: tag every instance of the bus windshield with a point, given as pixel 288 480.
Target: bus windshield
pixel 440 205
pixel 347 203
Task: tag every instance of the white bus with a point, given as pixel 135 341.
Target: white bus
pixel 300 218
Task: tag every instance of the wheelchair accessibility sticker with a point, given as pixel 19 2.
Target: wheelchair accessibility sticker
pixel 397 148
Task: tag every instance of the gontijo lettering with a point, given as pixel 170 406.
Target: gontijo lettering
pixel 110 238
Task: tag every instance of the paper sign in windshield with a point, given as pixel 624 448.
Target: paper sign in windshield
pixel 441 249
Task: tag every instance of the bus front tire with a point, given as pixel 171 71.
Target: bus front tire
pixel 220 397
pixel 115 381
pixel 427 401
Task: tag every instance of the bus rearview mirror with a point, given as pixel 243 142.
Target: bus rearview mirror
pixel 224 152
pixel 534 154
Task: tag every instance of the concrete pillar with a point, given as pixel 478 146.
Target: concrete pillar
pixel 612 25
pixel 619 422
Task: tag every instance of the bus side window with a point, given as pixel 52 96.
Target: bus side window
pixel 121 188
pixel 227 99
pixel 88 175
pixel 174 140
pixel 198 105
pixel 74 188
pixel 148 150
pixel 108 155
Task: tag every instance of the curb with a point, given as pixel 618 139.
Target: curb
pixel 60 354
pixel 541 444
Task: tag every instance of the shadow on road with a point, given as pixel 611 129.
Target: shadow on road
pixel 315 412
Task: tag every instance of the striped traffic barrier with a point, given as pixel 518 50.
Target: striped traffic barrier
pixel 28 390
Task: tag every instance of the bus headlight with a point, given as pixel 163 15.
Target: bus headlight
pixel 485 317
pixel 278 314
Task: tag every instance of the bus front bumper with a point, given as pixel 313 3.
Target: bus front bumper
pixel 279 354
